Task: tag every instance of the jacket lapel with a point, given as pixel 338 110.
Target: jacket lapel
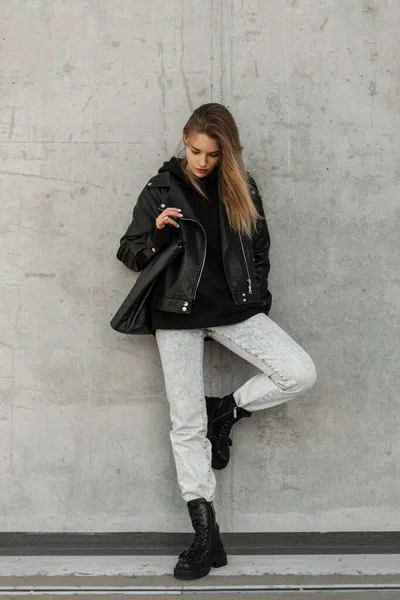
pixel 178 199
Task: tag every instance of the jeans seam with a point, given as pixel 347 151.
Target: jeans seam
pixel 201 358
pixel 274 371
pixel 269 395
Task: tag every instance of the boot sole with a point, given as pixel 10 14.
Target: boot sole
pixel 216 463
pixel 218 466
pixel 218 559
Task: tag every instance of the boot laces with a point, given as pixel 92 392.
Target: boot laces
pixel 200 536
pixel 196 548
pixel 226 428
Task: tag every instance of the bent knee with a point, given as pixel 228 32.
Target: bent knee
pixel 308 375
pixel 302 377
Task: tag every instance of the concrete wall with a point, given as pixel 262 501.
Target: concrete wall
pixel 93 98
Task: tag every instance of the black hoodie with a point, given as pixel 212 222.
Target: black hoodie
pixel 213 304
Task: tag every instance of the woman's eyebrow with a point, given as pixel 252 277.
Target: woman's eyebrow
pixel 213 152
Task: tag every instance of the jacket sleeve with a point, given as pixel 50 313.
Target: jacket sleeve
pixel 261 245
pixel 142 240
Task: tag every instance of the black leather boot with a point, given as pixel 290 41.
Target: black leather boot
pixel 222 413
pixel 206 550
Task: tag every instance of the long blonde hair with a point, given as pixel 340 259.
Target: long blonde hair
pixel 217 122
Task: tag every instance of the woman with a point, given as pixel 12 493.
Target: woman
pixel 217 289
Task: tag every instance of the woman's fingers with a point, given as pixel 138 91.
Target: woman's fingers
pixel 165 217
pixel 169 220
pixel 172 211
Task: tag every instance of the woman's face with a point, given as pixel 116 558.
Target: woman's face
pixel 203 154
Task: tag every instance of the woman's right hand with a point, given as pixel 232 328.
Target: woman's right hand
pixel 165 217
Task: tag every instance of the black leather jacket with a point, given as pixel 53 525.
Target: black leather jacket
pixel 246 262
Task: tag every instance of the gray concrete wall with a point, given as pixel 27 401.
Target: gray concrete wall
pixel 93 99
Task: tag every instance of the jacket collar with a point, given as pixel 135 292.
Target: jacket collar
pixel 180 201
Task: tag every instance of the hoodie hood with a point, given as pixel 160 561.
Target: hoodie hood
pixel 174 166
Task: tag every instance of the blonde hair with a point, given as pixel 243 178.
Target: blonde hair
pixel 217 122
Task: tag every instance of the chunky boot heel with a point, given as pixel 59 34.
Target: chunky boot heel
pixel 220 559
pixel 206 550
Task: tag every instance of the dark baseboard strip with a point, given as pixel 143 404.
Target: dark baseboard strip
pixel 153 543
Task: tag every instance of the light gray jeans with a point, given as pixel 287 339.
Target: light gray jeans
pixel 286 371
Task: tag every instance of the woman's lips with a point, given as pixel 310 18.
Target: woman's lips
pixel 201 170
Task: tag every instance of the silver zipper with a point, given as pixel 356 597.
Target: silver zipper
pixel 247 268
pixel 205 251
pixel 205 248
